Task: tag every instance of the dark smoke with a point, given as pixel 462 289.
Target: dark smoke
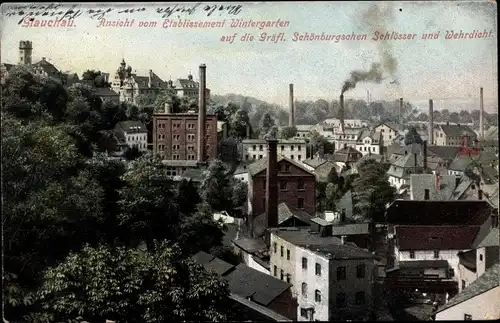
pixel 375 18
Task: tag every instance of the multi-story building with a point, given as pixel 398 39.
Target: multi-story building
pixel 254 149
pixel 453 134
pixel 296 186
pixel 348 123
pixel 347 138
pixel 132 134
pixel 332 279
pixel 369 142
pixel 389 132
pixel 189 88
pixel 185 140
pixel 130 85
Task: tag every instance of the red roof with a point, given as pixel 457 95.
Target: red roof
pixel 435 237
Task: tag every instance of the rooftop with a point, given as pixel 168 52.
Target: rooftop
pixel 285 212
pixel 484 283
pixel 420 182
pixel 457 130
pixel 261 165
pixel 212 263
pixel 463 212
pixel 491 239
pixel 250 245
pixel 435 237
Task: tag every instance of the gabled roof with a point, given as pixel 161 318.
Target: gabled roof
pixel 345 203
pixel 407 212
pixel 212 263
pixel 491 134
pixel 445 152
pixel 460 163
pixel 261 165
pixel 186 84
pixel 315 162
pixel 346 154
pixel 389 124
pixel 420 182
pixel 323 170
pixel 350 229
pixel 250 245
pixel 131 126
pixel 245 281
pixel 422 237
pixel 285 212
pixel 484 283
pixel 47 67
pixel 492 239
pixel 457 130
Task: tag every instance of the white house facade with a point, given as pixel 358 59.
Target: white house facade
pixel 254 149
pixel 389 132
pixel 369 143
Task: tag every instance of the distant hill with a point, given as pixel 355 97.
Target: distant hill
pixel 239 99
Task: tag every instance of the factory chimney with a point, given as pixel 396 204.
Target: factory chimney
pixel 291 117
pixel 341 113
pixel 202 105
pixel 272 183
pixel 424 154
pixel 431 122
pixel 481 115
pixel 401 112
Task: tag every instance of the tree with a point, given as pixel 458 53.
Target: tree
pixel 413 137
pixel 371 190
pixel 132 153
pixel 148 211
pixel 216 188
pixel 266 123
pixel 240 193
pixel 128 285
pixel 187 197
pixel 288 132
pixel 238 124
pixel 331 195
pixel 333 176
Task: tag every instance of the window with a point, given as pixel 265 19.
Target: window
pixel 260 147
pixel 190 126
pixel 275 270
pixel 451 272
pixel 299 148
pixel 303 312
pixel 341 273
pixel 412 254
pixel 360 298
pixel 300 203
pixel 260 156
pixel 341 300
pixel 317 296
pixel 254 147
pixel 304 290
pixel 246 157
pixel 282 148
pixel 175 157
pixel 467 317
pixel 304 263
pixel 436 254
pixel 282 274
pixel 282 251
pixel 287 254
pixel 318 269
pixel 299 157
pixel 292 147
pixel 300 184
pixel 177 137
pixel 291 157
pixel 463 284
pixel 288 278
pixel 283 185
pixel 287 168
pixel 176 147
pixel 275 247
pixel 480 257
pixel 360 271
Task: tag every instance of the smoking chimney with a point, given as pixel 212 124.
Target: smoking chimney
pixel 481 114
pixel 401 112
pixel 341 113
pixel 424 148
pixel 291 117
pixel 431 122
pixel 272 183
pixel 202 105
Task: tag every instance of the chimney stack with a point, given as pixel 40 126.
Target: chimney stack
pixel 168 107
pixel 342 239
pixel 291 117
pixel 424 148
pixel 272 183
pixel 341 113
pixel 401 112
pixel 481 115
pixel 202 102
pixel 431 122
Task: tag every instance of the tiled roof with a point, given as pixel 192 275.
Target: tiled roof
pixel 457 130
pixel 460 163
pixel 104 91
pixel 127 125
pixel 47 67
pixel 438 212
pixel 285 212
pixel 250 245
pixel 389 124
pixel 445 152
pixel 186 84
pixel 212 263
pixel 350 229
pixel 314 162
pixel 491 134
pixel 461 188
pixel 420 182
pixel 435 237
pixel 261 164
pixel 484 283
pixel 322 171
pixel 492 239
pixel 272 315
pixel 245 281
pixel 347 154
pixel 339 251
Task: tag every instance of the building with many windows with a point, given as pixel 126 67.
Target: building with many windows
pixel 254 149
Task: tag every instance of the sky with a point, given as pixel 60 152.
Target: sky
pixel 448 71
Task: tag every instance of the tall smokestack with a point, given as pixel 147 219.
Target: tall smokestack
pixel 291 118
pixel 401 112
pixel 202 104
pixel 424 148
pixel 341 113
pixel 431 122
pixel 272 183
pixel 481 115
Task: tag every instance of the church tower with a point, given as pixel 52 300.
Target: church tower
pixel 25 51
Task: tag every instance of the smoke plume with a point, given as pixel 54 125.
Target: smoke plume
pixel 375 18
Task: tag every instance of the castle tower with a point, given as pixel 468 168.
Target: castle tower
pixel 25 52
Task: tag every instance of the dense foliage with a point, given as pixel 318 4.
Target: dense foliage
pixel 73 220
